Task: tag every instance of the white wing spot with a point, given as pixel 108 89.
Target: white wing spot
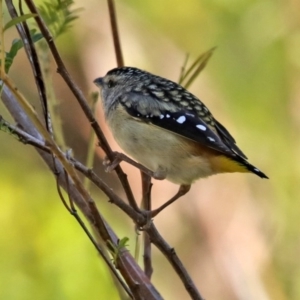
pixel 201 127
pixel 211 139
pixel 168 116
pixel 189 114
pixel 161 116
pixel 181 119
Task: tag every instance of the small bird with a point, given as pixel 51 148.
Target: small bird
pixel 167 129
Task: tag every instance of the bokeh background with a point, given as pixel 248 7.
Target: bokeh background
pixel 238 235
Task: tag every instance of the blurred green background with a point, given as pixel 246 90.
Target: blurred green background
pixel 238 235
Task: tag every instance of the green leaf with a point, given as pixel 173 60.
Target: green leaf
pixel 58 15
pixel 123 242
pixel 16 45
pixel 17 20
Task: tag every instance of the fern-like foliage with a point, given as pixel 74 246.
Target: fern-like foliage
pixel 58 15
pixel 16 45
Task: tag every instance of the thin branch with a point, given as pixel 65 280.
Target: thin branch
pixel 92 140
pixel 73 212
pixel 137 281
pixel 172 257
pixel 146 179
pixel 146 204
pixel 30 50
pixel 2 46
pixel 54 149
pixel 138 218
pixel 130 271
pixel 115 32
pixel 61 69
pixel 26 138
pixel 152 232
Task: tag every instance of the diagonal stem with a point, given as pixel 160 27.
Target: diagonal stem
pixel 61 69
pixel 146 205
pixel 115 32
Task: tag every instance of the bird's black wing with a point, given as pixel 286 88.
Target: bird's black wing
pixel 186 124
pixel 182 122
pixel 228 139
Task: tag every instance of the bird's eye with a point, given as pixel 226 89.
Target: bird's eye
pixel 111 84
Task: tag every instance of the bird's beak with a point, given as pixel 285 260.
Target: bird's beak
pixel 99 81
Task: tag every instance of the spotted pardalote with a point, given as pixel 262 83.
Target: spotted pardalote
pixel 166 128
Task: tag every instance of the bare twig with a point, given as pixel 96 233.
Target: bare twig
pixel 152 233
pixel 35 64
pixel 72 210
pixel 2 49
pixel 113 198
pixel 61 69
pixel 26 138
pixel 115 32
pixel 92 139
pixel 55 151
pixel 130 271
pixel 172 257
pixel 146 204
pixel 138 283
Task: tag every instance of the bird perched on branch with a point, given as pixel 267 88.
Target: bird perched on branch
pixel 167 129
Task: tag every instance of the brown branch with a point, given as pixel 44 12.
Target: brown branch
pixel 136 279
pixel 130 271
pixel 137 217
pixel 31 53
pixel 61 69
pixel 152 235
pixel 146 204
pixel 73 212
pixel 151 232
pixel 175 262
pixel 115 32
pixel 26 138
pixel 36 68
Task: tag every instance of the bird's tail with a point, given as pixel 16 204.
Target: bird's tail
pixel 224 164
